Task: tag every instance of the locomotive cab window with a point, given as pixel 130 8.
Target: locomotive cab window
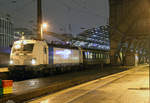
pixel 28 47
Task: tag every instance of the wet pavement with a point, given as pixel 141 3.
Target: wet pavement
pixel 4 69
pixel 20 87
pixel 130 86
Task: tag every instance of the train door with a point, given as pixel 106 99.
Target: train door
pixel 45 55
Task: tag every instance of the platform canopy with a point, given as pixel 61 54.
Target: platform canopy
pixel 95 38
pixel 129 27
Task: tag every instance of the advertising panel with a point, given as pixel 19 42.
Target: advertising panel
pixel 62 55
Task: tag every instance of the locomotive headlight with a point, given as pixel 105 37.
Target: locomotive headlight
pixel 33 61
pixel 18 46
pixel 11 62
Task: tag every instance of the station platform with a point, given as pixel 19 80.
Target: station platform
pixel 29 89
pixel 131 86
pixel 4 69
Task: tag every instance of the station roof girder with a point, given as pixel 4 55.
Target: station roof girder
pixel 129 19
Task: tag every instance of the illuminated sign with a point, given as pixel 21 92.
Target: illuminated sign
pixel 64 53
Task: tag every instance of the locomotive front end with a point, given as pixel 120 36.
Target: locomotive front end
pixel 22 53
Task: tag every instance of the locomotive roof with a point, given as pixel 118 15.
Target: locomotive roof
pixel 63 46
pixel 86 49
pixel 74 47
pixel 68 46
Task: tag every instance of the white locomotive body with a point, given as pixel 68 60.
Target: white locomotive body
pixel 29 52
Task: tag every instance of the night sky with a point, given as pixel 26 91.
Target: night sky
pixel 62 16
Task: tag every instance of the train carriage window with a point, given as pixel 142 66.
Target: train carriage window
pixel 102 56
pixel 90 55
pixel 93 55
pixel 86 54
pixel 107 56
pixel 97 55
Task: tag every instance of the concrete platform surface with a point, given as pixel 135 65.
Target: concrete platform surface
pixel 130 86
pixel 37 87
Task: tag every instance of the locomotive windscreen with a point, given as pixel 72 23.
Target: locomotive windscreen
pixel 28 47
pixel 23 47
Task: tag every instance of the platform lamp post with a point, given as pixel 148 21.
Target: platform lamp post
pixel 149 65
pixel 43 28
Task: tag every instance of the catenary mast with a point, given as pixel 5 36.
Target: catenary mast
pixel 39 19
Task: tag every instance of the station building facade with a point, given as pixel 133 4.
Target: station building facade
pixel 6 31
